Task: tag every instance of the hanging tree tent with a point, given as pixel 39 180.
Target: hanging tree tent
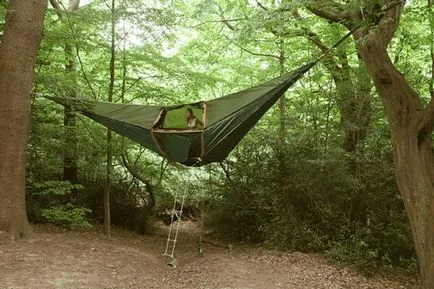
pixel 162 129
pixel 226 120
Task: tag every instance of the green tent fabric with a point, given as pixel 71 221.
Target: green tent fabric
pixel 161 128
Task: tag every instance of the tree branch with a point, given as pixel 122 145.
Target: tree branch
pixel 309 34
pixel 225 21
pixel 251 52
pixel 256 53
pixel 57 7
pixel 331 10
pixel 261 5
pixel 312 36
pixel 222 15
pixel 230 26
pixel 384 18
pixel 134 172
pixel 163 167
pixel 388 20
pixel 73 5
pixel 60 8
pixel 226 171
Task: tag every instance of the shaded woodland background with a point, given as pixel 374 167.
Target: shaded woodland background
pixel 315 175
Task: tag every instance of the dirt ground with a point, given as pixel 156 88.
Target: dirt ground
pixel 59 259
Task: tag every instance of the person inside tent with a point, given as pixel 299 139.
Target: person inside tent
pixel 192 121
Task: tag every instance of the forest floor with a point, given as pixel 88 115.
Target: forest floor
pixel 58 259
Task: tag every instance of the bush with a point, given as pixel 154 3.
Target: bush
pixel 55 202
pixel 67 216
pixel 239 217
pixel 367 257
pixel 320 206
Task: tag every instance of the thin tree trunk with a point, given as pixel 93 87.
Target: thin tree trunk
pixel 136 174
pixel 18 50
pixel 109 171
pixel 124 70
pixel 70 153
pixel 353 97
pixel 354 102
pixel 282 129
pixel 355 108
pixel 107 186
pixel 282 101
pixel 70 170
pixel 431 24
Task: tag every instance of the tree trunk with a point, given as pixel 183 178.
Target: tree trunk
pixel 282 101
pixel 354 102
pixel 414 174
pixel 109 171
pixel 70 170
pixel 411 123
pixel 353 97
pixel 18 51
pixel 356 112
pixel 282 117
pixel 413 149
pixel 70 150
pixel 108 185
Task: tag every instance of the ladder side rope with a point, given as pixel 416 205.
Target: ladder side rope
pixel 171 224
pixel 178 215
pixel 177 226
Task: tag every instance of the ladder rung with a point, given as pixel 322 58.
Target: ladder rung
pixel 171 240
pixel 173 211
pixel 178 214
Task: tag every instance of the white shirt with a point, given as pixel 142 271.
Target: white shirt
pixel 192 123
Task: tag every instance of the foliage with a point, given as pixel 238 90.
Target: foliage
pixel 50 201
pixel 67 216
pixel 322 207
pixel 301 193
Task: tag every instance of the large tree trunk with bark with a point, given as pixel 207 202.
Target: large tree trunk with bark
pixel 18 50
pixel 413 150
pixel 411 123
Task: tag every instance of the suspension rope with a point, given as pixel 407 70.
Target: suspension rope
pixel 354 29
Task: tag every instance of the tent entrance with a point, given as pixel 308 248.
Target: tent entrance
pixel 174 138
pixel 174 119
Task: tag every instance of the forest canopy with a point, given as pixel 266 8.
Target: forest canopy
pixel 317 173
